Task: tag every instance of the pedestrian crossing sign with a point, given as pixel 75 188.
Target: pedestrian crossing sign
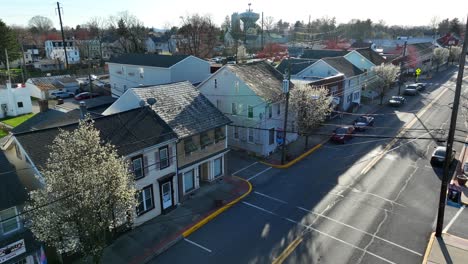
pixel 418 71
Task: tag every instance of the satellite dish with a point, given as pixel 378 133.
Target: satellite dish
pixel 151 101
pixel 142 103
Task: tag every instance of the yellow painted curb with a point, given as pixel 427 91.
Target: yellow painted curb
pixel 294 161
pixel 429 248
pixel 210 217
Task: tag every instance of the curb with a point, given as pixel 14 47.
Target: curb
pixel 296 160
pixel 211 216
pixel 428 248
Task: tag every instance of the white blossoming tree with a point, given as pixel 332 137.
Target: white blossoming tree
pixel 312 105
pixel 387 74
pixel 440 56
pixel 88 192
pixel 455 52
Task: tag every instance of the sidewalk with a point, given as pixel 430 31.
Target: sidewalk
pixel 155 236
pixel 446 249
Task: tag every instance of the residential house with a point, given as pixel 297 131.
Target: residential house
pixel 134 70
pixel 30 53
pixel 352 82
pixel 251 96
pixel 139 135
pixel 318 54
pixel 42 87
pixel 296 66
pixel 89 48
pixel 48 65
pixel 200 128
pixel 54 50
pixel 160 45
pixel 17 244
pixel 418 55
pixel 14 101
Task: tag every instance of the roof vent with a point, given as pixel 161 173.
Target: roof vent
pixel 151 101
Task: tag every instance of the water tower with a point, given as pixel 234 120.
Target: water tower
pixel 249 18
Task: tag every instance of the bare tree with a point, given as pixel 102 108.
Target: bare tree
pixel 434 24
pixel 198 35
pixel 97 27
pixel 40 24
pixel 440 56
pixel 269 24
pixel 130 32
pixel 387 74
pixel 312 105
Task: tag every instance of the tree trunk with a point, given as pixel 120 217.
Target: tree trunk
pixel 381 98
pixel 306 142
pixel 437 69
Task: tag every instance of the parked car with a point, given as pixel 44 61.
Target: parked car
pixel 438 156
pixel 362 122
pixel 342 134
pixel 411 90
pixel 396 100
pixel 421 86
pixel 85 95
pixel 61 95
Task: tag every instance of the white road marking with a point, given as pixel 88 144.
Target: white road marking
pixel 245 168
pixel 272 198
pixel 453 219
pixel 255 176
pixel 198 245
pixel 323 233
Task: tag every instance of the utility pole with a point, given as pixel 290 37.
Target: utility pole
pixel 453 124
pixel 23 65
pixel 308 30
pixel 63 36
pixel 285 125
pixel 401 69
pixel 8 67
pixel 262 31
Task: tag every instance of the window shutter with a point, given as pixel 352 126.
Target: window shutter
pixel 169 153
pixel 145 165
pixel 156 159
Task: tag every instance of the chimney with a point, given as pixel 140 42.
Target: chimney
pixel 83 110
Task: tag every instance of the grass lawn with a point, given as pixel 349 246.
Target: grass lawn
pixel 3 133
pixel 15 121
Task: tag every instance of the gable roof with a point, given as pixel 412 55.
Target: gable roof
pixel 320 54
pixel 183 108
pixel 153 60
pixel 128 131
pixel 297 65
pixel 52 82
pixel 261 77
pixel 343 65
pixel 371 55
pixel 12 192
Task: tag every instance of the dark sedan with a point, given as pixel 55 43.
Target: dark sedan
pixel 342 134
pixel 396 100
pixel 85 95
pixel 363 122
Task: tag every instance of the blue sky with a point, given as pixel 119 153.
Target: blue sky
pixel 158 13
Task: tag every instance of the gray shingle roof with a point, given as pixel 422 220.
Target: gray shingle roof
pixel 320 54
pixel 343 65
pixel 297 65
pixel 183 108
pixel 154 60
pixel 261 77
pixel 129 131
pixel 52 82
pixel 12 192
pixel 371 55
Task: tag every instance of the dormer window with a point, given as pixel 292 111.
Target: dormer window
pixel 9 221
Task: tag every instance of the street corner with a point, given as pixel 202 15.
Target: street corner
pixel 428 248
pixel 292 158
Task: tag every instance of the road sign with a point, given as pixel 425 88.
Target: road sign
pixel 418 71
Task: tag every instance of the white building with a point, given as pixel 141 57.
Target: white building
pixel 14 101
pixel 134 70
pixel 251 96
pixel 42 87
pixel 54 50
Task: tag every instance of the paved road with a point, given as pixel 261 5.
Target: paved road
pixel 333 207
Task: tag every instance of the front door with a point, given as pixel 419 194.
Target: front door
pixel 166 195
pixel 204 171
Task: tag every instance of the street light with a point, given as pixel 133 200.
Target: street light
pixel 285 125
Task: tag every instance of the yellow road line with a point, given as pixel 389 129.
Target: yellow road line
pixel 401 132
pixel 287 251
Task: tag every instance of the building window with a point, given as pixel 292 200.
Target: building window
pixel 163 157
pixel 218 104
pixel 18 152
pixel 356 96
pixel 251 134
pixel 237 86
pixel 278 109
pixel 348 99
pixel 9 220
pixel 145 200
pixel 349 82
pixel 250 111
pixel 142 73
pixel 234 109
pixel 137 164
pixel 189 146
pixel 219 135
pixel 271 136
pixel 216 83
pixel 218 167
pixel 270 111
pixel 205 140
pixel 21 261
pixel 20 104
pixel 236 132
pixel 189 181
pixel 125 87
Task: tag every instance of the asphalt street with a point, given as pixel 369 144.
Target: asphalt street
pixel 360 202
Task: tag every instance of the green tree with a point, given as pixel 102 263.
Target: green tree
pixel 455 26
pixel 444 27
pixel 8 41
pixel 89 192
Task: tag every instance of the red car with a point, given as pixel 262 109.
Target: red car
pixel 85 95
pixel 342 134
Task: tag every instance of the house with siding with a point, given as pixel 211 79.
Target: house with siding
pixel 43 87
pixel 139 135
pixel 14 100
pixel 251 96
pixel 17 244
pixel 134 70
pixel 200 128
